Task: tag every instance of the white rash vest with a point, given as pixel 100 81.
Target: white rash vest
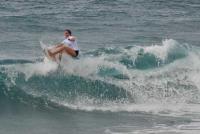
pixel 71 44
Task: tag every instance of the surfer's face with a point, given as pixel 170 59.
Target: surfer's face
pixel 66 34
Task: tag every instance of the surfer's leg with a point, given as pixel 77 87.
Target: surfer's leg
pixel 70 51
pixel 60 45
pixel 62 49
pixel 54 51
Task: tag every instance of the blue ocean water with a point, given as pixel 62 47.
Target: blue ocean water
pixel 138 70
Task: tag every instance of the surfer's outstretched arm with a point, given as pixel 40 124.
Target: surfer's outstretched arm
pixel 56 46
pixel 70 38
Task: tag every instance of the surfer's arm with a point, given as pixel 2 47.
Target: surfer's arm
pixel 72 38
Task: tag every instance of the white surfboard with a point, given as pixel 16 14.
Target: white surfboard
pixel 45 50
pixel 46 53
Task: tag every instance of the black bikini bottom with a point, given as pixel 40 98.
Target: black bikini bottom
pixel 77 52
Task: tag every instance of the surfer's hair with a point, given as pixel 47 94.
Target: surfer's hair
pixel 69 31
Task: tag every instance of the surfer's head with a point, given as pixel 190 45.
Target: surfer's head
pixel 67 33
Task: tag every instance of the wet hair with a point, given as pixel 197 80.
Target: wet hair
pixel 69 31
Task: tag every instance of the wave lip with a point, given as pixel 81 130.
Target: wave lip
pixel 155 56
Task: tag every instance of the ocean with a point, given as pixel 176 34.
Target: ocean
pixel 138 71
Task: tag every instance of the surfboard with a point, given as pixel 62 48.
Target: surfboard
pixel 46 53
pixel 45 50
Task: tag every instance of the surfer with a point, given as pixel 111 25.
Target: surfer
pixel 68 45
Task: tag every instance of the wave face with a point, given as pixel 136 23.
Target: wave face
pixel 113 79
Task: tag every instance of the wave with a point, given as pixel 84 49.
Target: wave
pixel 156 55
pixel 14 61
pixel 145 57
pixel 109 79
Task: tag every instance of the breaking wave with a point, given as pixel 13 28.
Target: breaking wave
pixel 146 79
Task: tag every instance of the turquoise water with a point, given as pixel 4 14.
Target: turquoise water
pixel 137 73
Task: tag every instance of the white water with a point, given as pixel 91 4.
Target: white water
pixel 159 91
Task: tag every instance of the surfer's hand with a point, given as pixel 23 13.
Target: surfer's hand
pixel 71 38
